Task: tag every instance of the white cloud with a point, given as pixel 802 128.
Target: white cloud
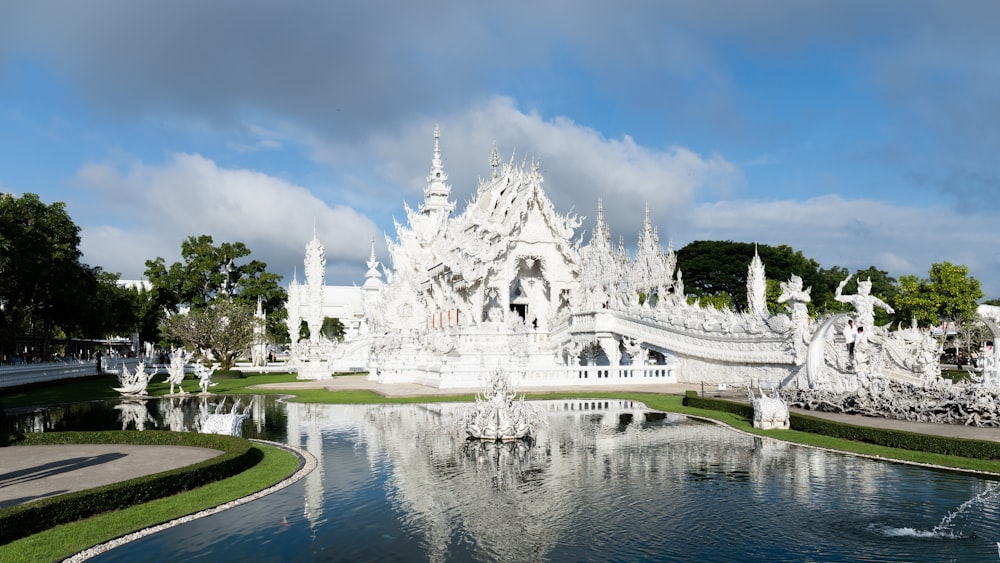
pixel 578 163
pixel 150 210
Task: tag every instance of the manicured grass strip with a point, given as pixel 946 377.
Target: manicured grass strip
pixel 102 387
pixel 63 541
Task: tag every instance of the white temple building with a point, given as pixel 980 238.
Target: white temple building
pixel 507 283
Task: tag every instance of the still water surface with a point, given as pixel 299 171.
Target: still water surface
pixel 604 480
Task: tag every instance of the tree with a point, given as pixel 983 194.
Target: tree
pixel 333 329
pixel 211 273
pixel 948 295
pixel 915 301
pixel 958 293
pixel 44 288
pixel 714 268
pixel 223 328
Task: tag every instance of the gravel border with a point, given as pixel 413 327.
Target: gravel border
pixel 307 465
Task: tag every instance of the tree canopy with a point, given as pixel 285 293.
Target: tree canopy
pixel 209 273
pixel 717 268
pixel 219 286
pixel 948 294
pixel 45 290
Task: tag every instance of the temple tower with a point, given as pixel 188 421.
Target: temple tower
pixel 437 191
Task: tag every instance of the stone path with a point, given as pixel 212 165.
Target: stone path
pixel 30 473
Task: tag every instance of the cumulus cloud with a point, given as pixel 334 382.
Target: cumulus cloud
pixel 579 164
pixel 149 210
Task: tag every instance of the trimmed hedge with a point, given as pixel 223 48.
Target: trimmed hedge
pixel 962 447
pixel 239 454
pixel 691 399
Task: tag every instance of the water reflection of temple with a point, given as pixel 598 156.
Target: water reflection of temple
pixel 448 496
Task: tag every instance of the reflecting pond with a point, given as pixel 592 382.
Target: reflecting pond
pixel 603 480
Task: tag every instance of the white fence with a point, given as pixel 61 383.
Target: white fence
pixel 454 377
pixel 26 374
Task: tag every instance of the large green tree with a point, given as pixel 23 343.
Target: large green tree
pixel 209 273
pixel 45 291
pixel 224 328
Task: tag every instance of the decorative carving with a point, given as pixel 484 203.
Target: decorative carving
pixel 769 413
pixel 498 414
pixel 175 373
pixel 134 384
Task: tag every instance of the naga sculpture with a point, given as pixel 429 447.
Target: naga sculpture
pixel 221 422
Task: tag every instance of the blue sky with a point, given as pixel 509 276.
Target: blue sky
pixel 861 133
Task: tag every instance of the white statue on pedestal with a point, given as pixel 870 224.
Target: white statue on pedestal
pixel 864 303
pixel 175 372
pixel 204 376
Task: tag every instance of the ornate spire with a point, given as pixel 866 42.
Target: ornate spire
pixel 437 190
pixel 373 264
pixel 757 286
pixel 373 276
pixel 495 161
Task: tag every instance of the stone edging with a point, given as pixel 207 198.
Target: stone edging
pixel 307 465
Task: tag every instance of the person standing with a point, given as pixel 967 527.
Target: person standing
pixel 850 337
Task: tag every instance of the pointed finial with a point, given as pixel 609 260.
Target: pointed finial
pixel 495 161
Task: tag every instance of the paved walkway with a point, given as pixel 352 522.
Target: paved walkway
pixel 32 472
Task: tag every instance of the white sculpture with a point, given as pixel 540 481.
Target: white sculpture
pixel 769 413
pixel 134 384
pixel 175 372
pixel 498 415
pixel 220 422
pixel 132 412
pixel 204 376
pixel 864 303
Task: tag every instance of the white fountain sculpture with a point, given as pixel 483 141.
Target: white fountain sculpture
pixel 204 376
pixel 175 372
pixel 498 414
pixel 220 422
pixel 134 384
pixel 769 413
